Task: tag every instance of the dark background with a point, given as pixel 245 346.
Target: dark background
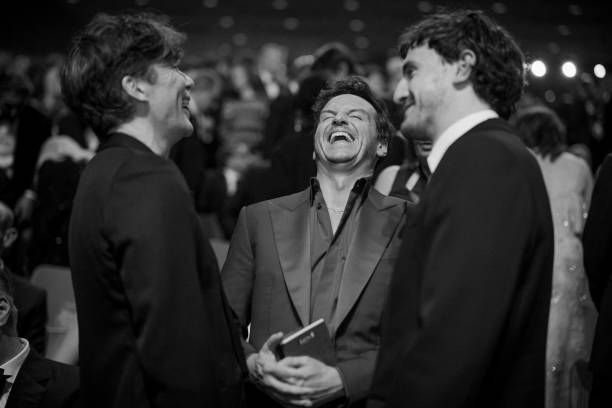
pixel 554 31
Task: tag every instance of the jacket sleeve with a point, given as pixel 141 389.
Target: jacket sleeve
pixel 597 237
pixel 152 225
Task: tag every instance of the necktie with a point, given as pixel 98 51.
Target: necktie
pixel 5 386
pixel 425 168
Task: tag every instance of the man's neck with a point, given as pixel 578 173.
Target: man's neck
pixel 336 187
pixel 9 348
pixel 464 104
pixel 145 132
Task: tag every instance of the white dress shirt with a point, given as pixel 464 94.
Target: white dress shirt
pixel 454 132
pixel 12 368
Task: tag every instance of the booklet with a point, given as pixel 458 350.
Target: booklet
pixel 312 340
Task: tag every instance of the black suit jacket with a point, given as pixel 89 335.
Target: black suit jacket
pixel 155 328
pixel 597 240
pixel 31 302
pixel 43 383
pixel 467 313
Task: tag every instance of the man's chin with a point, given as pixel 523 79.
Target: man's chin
pixel 415 132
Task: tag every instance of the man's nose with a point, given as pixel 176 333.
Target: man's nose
pixel 189 82
pixel 401 92
pixel 339 119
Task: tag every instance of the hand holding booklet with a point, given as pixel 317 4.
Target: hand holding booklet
pixel 312 340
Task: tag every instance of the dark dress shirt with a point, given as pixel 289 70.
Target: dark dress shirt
pixel 329 250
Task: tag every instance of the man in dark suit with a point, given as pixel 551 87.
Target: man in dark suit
pixel 30 300
pixel 325 252
pixel 155 329
pixel 466 319
pixel 597 241
pixel 28 380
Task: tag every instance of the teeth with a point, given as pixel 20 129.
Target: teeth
pixel 341 136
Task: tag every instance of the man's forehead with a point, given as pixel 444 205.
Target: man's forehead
pixel 348 102
pixel 421 53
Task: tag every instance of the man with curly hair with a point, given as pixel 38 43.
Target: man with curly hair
pixel 466 318
pixel 155 329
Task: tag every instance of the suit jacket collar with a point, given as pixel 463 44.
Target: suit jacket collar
pixel 291 227
pixel 118 139
pixel 290 222
pixel 30 385
pixel 454 132
pixel 377 224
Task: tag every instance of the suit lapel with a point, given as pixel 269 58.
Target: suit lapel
pixel 291 226
pixel 29 388
pixel 376 226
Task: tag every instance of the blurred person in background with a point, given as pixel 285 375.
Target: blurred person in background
pixel 27 379
pixel 58 169
pixel 36 121
pixel 272 70
pixel 572 317
pixel 225 190
pixel 31 301
pixel 409 179
pixel 582 151
pixel 245 107
pixel 195 154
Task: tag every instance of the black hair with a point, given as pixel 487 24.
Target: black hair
pixel 109 48
pixel 542 130
pixel 498 77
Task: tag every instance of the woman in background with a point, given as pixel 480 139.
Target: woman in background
pixel 569 183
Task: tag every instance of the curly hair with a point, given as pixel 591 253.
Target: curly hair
pixel 542 130
pixel 498 76
pixel 109 48
pixel 357 86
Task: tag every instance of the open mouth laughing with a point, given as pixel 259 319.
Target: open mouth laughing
pixel 340 136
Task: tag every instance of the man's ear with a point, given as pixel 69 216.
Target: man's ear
pixel 134 87
pixel 5 310
pixel 9 237
pixel 465 64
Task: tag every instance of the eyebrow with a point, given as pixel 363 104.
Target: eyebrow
pixel 333 112
pixel 408 65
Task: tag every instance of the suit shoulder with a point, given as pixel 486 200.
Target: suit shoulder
pixel 387 200
pixel 289 201
pixel 123 159
pixel 496 145
pixel 61 379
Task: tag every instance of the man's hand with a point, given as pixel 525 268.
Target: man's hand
pixel 324 380
pixel 25 206
pixel 279 380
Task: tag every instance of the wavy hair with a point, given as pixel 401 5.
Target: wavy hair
pixel 498 77
pixel 541 130
pixel 109 48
